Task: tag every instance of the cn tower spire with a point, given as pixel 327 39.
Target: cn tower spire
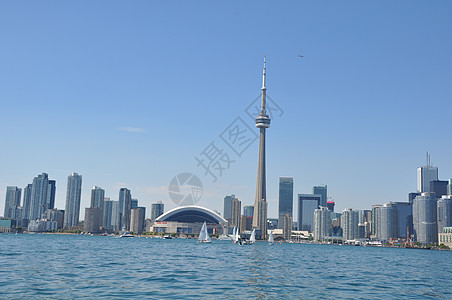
pixel 260 202
pixel 264 88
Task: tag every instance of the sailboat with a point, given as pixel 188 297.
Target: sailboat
pixel 237 236
pixel 204 235
pixel 270 238
pixel 253 237
pixel 234 235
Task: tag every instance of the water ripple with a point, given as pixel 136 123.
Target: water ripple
pixel 68 267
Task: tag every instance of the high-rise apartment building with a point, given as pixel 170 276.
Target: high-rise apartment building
pixel 307 204
pixel 349 224
pixel 125 205
pixel 376 217
pixel 157 210
pixel 287 227
pixel 444 212
pixel 51 191
pixel 133 203
pixel 389 222
pixel 137 220
pixel 97 197
pixel 93 219
pixel 236 213
pixel 115 214
pixel 425 218
pixel 322 224
pixel 73 198
pixel 227 207
pixel 12 201
pixel 107 213
pixel 26 205
pixel 248 211
pixel 321 190
pixel 285 199
pixel 40 198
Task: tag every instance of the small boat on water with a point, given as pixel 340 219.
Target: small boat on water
pixel 126 235
pixel 167 237
pixel 253 237
pixel 204 235
pixel 224 237
pixel 271 241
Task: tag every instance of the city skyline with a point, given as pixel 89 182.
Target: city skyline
pixel 352 106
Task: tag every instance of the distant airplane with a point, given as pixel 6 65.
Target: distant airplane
pixel 300 55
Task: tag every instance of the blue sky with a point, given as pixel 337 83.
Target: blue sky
pixel 129 93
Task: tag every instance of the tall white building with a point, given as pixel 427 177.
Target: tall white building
pixel 425 175
pixel 349 224
pixel 425 218
pixel 322 223
pixel 73 197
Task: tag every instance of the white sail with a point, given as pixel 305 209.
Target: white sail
pixel 202 233
pixel 234 235
pixel 270 237
pixel 253 236
pixel 208 240
pixel 237 237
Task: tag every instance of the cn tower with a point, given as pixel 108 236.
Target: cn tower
pixel 260 203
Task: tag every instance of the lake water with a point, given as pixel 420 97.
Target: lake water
pixel 70 266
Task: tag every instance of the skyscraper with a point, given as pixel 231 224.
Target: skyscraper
pixel 248 211
pixel 133 203
pixel 93 219
pixel 236 213
pixel 321 190
pixel 322 223
pixel 115 214
pixel 405 211
pixel 227 207
pixel 330 205
pixel 26 205
pixel 425 218
pixel 107 213
pixel 73 197
pixel 439 187
pixel 51 190
pixel 12 201
pixel 449 187
pixel 307 204
pixel 260 202
pixel 389 222
pixel 425 175
pixel 137 219
pixel 444 212
pixel 376 217
pixel 349 224
pixel 125 205
pixel 285 199
pixel 287 227
pixel 39 200
pixel 157 210
pixel 97 197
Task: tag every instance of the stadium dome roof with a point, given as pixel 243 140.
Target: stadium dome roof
pixel 191 214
